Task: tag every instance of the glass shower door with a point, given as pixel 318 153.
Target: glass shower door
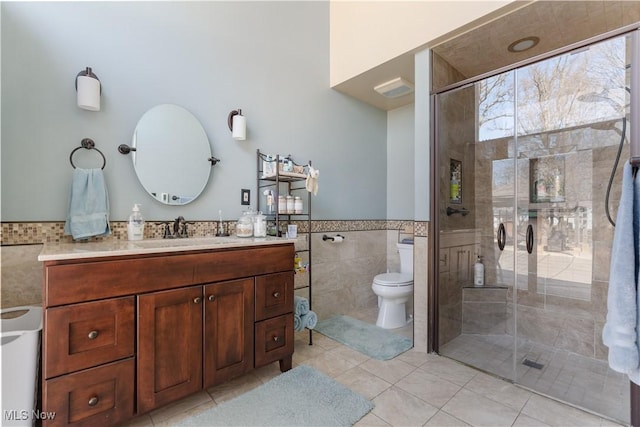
pixel 477 219
pixel 525 161
pixel 570 129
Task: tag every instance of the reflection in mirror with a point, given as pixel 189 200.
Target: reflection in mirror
pixel 171 154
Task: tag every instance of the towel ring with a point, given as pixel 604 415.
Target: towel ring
pixel 89 145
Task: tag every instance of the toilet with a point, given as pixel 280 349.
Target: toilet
pixel 394 289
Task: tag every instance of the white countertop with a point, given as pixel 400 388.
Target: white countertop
pixel 114 247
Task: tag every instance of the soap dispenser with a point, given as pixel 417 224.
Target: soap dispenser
pixel 478 273
pixel 135 226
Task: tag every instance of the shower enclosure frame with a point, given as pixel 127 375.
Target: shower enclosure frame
pixel 434 223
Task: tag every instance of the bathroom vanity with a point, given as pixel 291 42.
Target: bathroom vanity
pixel 131 326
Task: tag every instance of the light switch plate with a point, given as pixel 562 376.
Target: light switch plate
pixel 245 197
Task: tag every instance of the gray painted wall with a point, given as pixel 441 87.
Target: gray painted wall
pixel 269 58
pixel 400 167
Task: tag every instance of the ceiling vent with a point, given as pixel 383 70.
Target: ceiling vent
pixel 394 88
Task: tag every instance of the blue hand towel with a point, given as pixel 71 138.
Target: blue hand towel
pixel 300 305
pixel 88 205
pixel 297 323
pixel 309 320
pixel 620 330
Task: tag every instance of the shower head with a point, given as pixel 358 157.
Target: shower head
pixel 595 97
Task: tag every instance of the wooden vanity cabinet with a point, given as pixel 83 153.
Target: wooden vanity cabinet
pixel 274 333
pixel 228 330
pixel 192 338
pixel 169 361
pixel 126 343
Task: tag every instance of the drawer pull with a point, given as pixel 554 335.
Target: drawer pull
pixel 212 298
pixel 197 300
pixel 276 338
pixel 276 294
pixel 93 401
pixel 92 335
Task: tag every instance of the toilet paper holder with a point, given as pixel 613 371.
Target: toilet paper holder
pixel 336 238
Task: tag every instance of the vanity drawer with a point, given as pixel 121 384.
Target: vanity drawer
pixel 97 396
pixel 274 295
pixel 274 339
pixel 83 335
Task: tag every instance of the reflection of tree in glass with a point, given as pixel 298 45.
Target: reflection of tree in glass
pixel 495 106
pixel 550 93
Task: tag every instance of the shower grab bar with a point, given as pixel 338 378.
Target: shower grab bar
pixel 452 211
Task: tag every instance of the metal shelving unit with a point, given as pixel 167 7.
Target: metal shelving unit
pixel 287 183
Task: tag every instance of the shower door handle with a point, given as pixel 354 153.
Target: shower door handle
pixel 529 238
pixel 502 236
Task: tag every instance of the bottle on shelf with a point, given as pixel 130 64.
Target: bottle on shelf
pixel 478 273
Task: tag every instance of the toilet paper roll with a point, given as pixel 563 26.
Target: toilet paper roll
pixel 88 93
pixel 239 127
pixel 337 239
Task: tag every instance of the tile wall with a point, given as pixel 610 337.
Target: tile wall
pixel 342 272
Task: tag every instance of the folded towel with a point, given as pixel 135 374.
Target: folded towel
pixel 88 205
pixel 620 332
pixel 312 181
pixel 309 320
pixel 300 305
pixel 297 323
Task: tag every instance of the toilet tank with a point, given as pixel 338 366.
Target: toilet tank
pixel 406 258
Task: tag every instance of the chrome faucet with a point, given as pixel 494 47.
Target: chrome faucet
pixel 178 227
pixel 175 229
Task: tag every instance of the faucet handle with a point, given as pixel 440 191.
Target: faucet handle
pixel 166 233
pixel 184 232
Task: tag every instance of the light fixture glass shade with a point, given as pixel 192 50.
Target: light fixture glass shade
pixel 237 125
pixel 88 90
pixel 239 128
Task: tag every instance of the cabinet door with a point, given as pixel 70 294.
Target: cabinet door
pixel 101 396
pixel 274 341
pixel 83 335
pixel 169 346
pixel 228 330
pixel 274 295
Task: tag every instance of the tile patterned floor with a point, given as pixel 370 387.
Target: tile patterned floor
pixel 414 389
pixel 570 377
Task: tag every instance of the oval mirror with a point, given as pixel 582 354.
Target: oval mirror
pixel 171 156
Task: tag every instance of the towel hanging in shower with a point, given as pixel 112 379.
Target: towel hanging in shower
pixel 620 331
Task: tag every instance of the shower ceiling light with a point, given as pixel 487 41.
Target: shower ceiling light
pixel 523 44
pixel 394 88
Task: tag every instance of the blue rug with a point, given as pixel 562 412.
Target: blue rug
pixel 302 396
pixel 371 340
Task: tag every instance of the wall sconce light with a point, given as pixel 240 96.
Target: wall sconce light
pixel 89 89
pixel 238 125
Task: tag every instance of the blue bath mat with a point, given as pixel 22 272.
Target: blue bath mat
pixel 302 396
pixel 371 340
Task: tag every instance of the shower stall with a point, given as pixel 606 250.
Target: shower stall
pixel 523 166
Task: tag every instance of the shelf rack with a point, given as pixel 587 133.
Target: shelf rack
pixel 286 183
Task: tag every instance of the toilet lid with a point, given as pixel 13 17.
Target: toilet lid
pixel 393 279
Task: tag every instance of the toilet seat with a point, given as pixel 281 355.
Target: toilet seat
pixel 393 279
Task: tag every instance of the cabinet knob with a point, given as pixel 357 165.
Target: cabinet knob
pixel 93 335
pixel 93 401
pixel 276 338
pixel 197 300
pixel 212 297
pixel 276 294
